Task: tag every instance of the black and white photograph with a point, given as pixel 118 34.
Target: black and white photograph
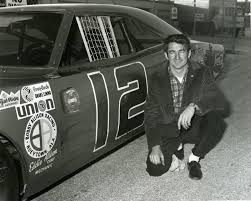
pixel 125 100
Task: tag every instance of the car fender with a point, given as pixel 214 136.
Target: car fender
pixel 209 54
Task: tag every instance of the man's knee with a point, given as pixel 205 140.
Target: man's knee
pixel 215 118
pixel 158 170
pixel 215 123
pixel 213 115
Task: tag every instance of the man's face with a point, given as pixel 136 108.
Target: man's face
pixel 177 55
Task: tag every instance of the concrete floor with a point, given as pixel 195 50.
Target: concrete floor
pixel 227 169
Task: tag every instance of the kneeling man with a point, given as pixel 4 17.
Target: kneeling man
pixel 184 105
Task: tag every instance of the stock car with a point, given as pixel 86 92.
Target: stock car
pixel 73 86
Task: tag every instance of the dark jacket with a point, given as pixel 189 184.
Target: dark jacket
pixel 200 88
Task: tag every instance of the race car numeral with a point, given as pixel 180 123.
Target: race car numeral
pixel 102 108
pixel 132 84
pixel 131 102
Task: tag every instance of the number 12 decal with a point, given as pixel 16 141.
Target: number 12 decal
pixel 131 83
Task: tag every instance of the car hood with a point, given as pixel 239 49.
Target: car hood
pixel 207 46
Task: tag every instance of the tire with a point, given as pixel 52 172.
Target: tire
pixel 9 183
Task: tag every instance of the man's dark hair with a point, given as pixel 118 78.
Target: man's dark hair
pixel 177 38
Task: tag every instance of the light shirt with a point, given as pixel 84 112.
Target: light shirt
pixel 177 86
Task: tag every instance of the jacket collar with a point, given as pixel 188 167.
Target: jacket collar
pixel 193 68
pixel 165 85
pixel 192 71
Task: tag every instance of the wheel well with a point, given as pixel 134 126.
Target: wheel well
pixel 11 149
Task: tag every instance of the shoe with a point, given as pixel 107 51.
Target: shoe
pixel 194 169
pixel 175 163
pixel 180 153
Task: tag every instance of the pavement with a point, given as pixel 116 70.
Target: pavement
pixel 121 176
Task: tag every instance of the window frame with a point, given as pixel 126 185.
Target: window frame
pixel 87 66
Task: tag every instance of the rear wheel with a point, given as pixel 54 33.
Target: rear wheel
pixel 9 184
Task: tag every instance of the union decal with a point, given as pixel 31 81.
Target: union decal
pixel 36 98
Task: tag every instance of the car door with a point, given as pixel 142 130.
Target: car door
pixel 103 83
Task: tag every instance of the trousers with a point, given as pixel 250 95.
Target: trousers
pixel 205 132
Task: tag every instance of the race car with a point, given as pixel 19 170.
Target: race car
pixel 74 80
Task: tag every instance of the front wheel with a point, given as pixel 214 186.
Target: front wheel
pixel 9 184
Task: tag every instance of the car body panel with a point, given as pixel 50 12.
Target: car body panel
pixel 100 124
pixel 67 114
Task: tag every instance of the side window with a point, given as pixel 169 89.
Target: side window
pixel 94 38
pixel 28 39
pixel 142 35
pixel 74 51
pixel 91 38
pixel 133 36
pixel 98 36
pixel 124 43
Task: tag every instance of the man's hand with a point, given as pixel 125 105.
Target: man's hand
pixel 156 156
pixel 186 117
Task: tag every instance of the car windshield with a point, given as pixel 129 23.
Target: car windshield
pixel 27 39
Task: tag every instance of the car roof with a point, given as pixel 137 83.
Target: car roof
pixel 144 16
pixel 77 7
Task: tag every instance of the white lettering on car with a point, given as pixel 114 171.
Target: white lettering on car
pixel 35 164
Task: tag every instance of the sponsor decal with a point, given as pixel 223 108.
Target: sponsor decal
pixel 40 135
pixel 38 98
pixel 31 92
pixel 48 159
pixel 43 169
pixel 28 109
pixel 27 94
pixel 9 100
pixel 35 164
pixel 15 2
pixel 43 94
